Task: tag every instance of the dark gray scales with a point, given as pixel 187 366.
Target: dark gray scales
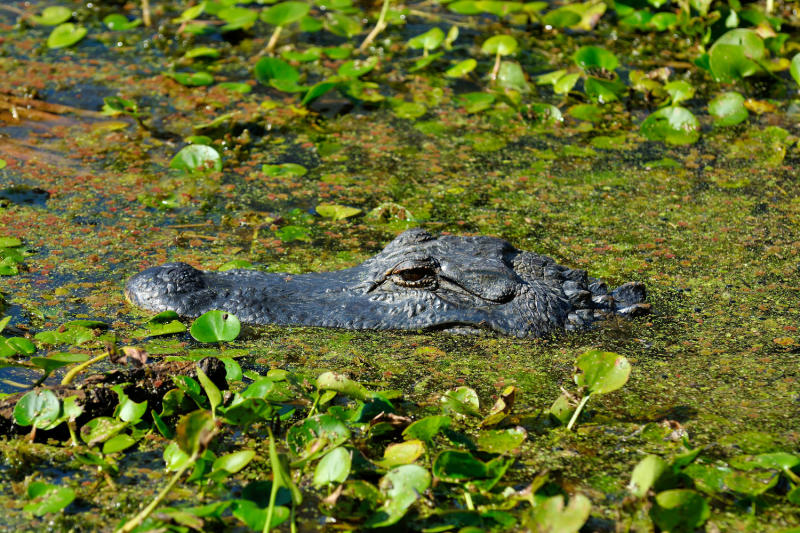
pixel 418 281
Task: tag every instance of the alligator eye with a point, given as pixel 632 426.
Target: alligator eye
pixel 415 274
pixel 415 277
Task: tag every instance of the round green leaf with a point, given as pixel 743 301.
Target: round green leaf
pixel 21 345
pixel 455 466
pixel 242 88
pixel 215 326
pixel 729 63
pixel 202 51
pixel 752 45
pixel 343 385
pixel 194 431
pixel 427 428
pixel 271 68
pixel 646 474
pixel 603 372
pixel 337 212
pixel 410 110
pixel 58 360
pixel 588 112
pixel 461 69
pixel 285 170
pixel 751 483
pixel 38 408
pixel 728 109
pixel 673 125
pixel 333 468
pixel 465 7
pixel 462 400
pixel 234 462
pixel 53 16
pixel 679 91
pixel 118 444
pixel 236 263
pixel 192 79
pixel 285 13
pixel 401 488
pixel 794 69
pixel 355 69
pixel 50 500
pixel 679 510
pixel 197 158
pixel 500 44
pixel 117 22
pixel 9 242
pixel 65 35
pixel 237 18
pixel 476 102
pixel 401 453
pixel 3 164
pixel 552 516
pixel 343 25
pixel 501 440
pixel 430 40
pixel 594 56
pixel 563 17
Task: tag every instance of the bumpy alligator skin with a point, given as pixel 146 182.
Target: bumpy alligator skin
pixel 417 282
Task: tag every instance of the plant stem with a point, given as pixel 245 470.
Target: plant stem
pixel 146 13
pixel 496 68
pixel 134 522
pixel 379 27
pixel 80 368
pixel 274 492
pixel 273 40
pixel 292 524
pixel 468 497
pixel 770 6
pixel 578 411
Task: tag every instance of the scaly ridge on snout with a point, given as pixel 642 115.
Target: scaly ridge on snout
pixel 417 282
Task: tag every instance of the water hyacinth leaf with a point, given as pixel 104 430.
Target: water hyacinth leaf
pixel 751 483
pixel 194 431
pixel 285 170
pixel 602 372
pixel 463 401
pixel 673 125
pixel 117 22
pixel 192 79
pixel 461 69
pixel 285 13
pixel 237 18
pixel 197 158
pixel 502 440
pixel 593 56
pixel 357 499
pixel 211 390
pixel 728 109
pixel 233 462
pixel 65 35
pixel 311 54
pixel 604 91
pixel 679 510
pixel 679 91
pixel 646 475
pixel 247 411
pixel 511 76
pixel 271 68
pixel 334 381
pixel 255 516
pixel 235 263
pixel 357 68
pixel 21 346
pixel 401 453
pixel 728 63
pixel 794 69
pixel 566 83
pixel 48 498
pixel 190 388
pixel 37 408
pixel 215 326
pixel 118 444
pixel 465 7
pixel 101 429
pixel 500 44
pixel 423 62
pixel 333 468
pixel 292 233
pixel 337 212
pixel 130 411
pixel 663 21
pixel 338 52
pixel 202 51
pixel 476 102
pixel 427 428
pixel 191 13
pixel 498 8
pixel 456 466
pixel 430 40
pixel 401 488
pixel 53 16
pixel 777 461
pixel 326 427
pixel 552 516
pixel 9 242
pixel 410 110
pixel 59 360
pixel 164 323
pixel 69 412
pixel 750 42
pixel 316 91
pixel 343 25
pixel 563 17
pixel 3 164
pixel 588 112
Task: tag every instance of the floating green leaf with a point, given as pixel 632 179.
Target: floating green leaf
pixel 728 108
pixel 646 474
pixel 197 158
pixel 401 453
pixel 271 68
pixel 552 516
pixel 673 125
pixel 192 79
pixel 37 408
pixel 337 212
pixel 355 69
pixel 117 22
pixel 430 40
pixel 679 91
pixel 401 488
pixel 53 16
pixel 333 468
pixel 463 401
pixel 593 56
pixel 285 13
pixel 47 498
pixel 461 69
pixel 679 510
pixel 215 326
pixel 65 35
pixel 502 45
pixel 426 428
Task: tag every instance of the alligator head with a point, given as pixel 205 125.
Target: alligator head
pixel 418 281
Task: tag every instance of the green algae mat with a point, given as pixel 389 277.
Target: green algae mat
pixel 654 141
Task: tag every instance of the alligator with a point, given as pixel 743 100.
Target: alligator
pixel 418 282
